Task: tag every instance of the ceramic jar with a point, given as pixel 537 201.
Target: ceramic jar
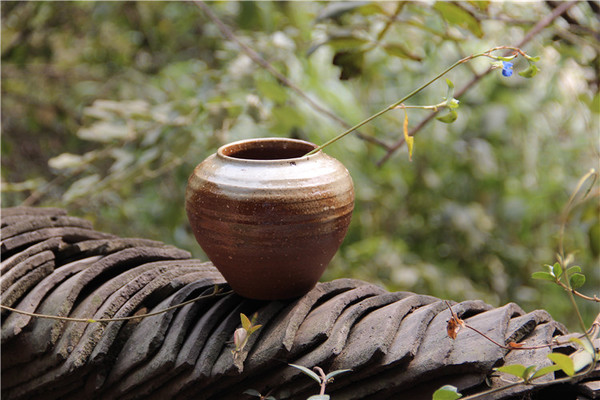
pixel 269 217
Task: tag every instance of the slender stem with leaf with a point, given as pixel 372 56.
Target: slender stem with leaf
pixel 321 378
pixel 576 365
pixel 571 203
pixel 394 105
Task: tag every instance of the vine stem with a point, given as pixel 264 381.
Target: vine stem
pixel 414 92
pixel 461 322
pixel 491 391
pixel 561 251
pixel 578 294
pixel 216 292
pixel 541 346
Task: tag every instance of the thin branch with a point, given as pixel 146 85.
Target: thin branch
pixel 323 379
pixel 216 292
pixel 491 391
pixel 391 20
pixel 457 322
pixel 542 24
pixel 541 346
pixel 578 294
pixel 254 56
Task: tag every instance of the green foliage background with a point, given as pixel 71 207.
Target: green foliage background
pixel 108 106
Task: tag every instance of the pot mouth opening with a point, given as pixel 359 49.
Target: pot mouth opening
pixel 267 149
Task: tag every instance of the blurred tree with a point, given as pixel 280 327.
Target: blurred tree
pixel 107 107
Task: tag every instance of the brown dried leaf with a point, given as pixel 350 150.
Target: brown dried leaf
pixel 454 325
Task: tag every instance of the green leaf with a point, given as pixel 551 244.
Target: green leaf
pixel 544 371
pixel 335 10
pixel 557 270
pixel 308 372
pixel 246 324
pixel 81 187
pixel 509 58
pixel 250 16
pixel 564 362
pixel 252 392
pixel 351 63
pixel 481 4
pixel 546 276
pixel 65 161
pixel 335 373
pixel 449 118
pixel 517 370
pixel 534 59
pixel 103 131
pixel 583 343
pixel 398 50
pixel 528 372
pixel 372 8
pixel 457 15
pixel 573 270
pixel 450 90
pixel 530 72
pixel 447 392
pixel 254 329
pixel 271 90
pixel 453 103
pixel 577 280
pixel 346 42
pixel 286 118
pixel 576 340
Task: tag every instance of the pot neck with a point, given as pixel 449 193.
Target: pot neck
pixel 268 151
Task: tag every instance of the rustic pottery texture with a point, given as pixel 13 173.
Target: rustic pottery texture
pixel 269 217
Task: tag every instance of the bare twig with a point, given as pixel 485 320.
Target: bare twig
pixel 216 292
pixel 392 18
pixel 455 323
pixel 254 56
pixel 542 24
pixel 578 294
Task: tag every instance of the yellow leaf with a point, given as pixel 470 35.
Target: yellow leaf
pixel 246 324
pixel 410 141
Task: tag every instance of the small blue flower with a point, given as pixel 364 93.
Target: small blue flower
pixel 507 68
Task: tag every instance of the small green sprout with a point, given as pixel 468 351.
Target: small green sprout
pixel 447 392
pixel 241 335
pixel 321 379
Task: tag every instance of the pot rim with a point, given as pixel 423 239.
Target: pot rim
pixel 310 146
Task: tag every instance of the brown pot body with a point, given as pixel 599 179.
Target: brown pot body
pixel 268 217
